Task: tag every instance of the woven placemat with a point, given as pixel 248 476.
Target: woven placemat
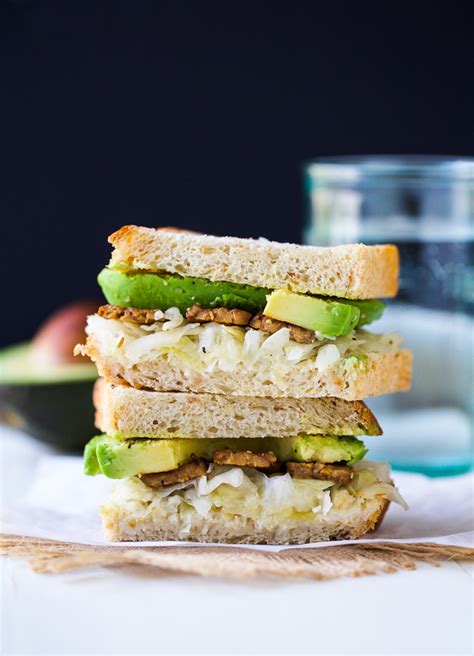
pixel 332 562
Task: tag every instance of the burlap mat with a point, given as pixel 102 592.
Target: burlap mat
pixel 52 557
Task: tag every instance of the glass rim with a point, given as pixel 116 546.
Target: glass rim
pixel 358 168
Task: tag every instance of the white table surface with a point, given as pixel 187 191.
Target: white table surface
pixel 139 611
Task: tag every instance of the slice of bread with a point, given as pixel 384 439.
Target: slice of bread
pixel 352 271
pixel 128 412
pixel 377 373
pixel 159 522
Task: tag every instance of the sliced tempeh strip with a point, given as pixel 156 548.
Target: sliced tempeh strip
pixel 218 315
pixel 245 459
pixel 269 325
pixel 134 315
pixel 184 473
pixel 336 473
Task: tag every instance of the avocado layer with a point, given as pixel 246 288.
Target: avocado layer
pixel 369 310
pixel 331 317
pixel 161 291
pixel 118 458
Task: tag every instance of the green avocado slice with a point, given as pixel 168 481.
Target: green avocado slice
pixel 329 318
pixel 370 310
pixel 91 463
pixel 162 291
pixel 117 458
pixel 332 317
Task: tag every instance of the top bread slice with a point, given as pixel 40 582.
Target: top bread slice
pixel 353 271
pixel 127 412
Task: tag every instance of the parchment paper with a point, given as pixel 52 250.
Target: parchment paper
pixel 62 504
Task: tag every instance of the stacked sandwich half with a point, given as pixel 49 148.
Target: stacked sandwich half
pixel 233 372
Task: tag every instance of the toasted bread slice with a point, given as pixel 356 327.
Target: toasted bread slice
pixel 128 412
pixel 352 271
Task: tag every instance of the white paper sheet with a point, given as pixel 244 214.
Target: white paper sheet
pixel 62 504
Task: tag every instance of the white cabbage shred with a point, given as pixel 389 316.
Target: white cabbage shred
pixel 211 346
pixel 253 494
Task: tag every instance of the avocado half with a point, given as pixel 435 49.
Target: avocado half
pixel 54 404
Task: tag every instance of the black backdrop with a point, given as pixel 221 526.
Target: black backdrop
pixel 199 114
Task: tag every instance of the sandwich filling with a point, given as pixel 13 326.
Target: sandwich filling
pixel 119 458
pixel 209 347
pixel 325 316
pixel 267 480
pixel 204 326
pixel 245 495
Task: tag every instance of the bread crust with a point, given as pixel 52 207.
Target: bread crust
pixel 128 412
pixel 379 373
pixel 351 271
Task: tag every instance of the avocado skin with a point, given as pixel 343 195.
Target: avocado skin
pixel 117 458
pixel 161 291
pixel 58 412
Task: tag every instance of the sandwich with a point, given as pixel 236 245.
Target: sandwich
pixel 219 315
pixel 186 473
pixel 233 371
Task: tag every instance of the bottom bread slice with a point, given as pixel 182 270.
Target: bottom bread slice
pixel 121 527
pixel 137 513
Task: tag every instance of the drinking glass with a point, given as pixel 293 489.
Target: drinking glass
pixel 424 205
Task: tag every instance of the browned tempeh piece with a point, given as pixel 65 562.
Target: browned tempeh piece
pixel 323 472
pixel 134 315
pixel 244 459
pixel 219 315
pixel 182 474
pixel 269 325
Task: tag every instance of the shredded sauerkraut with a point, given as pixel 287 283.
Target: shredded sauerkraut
pixel 211 346
pixel 252 494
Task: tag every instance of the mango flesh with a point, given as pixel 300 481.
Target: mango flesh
pixel 162 291
pixel 117 458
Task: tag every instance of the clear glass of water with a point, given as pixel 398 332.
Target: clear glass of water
pixel 424 205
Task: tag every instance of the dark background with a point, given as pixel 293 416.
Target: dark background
pixel 199 115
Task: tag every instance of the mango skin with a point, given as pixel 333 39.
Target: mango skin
pixel 117 458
